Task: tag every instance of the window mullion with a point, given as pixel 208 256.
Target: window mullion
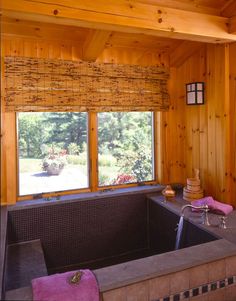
pixel 93 151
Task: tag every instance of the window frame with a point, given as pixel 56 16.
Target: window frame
pixel 93 161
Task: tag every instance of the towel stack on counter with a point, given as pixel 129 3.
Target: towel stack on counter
pixel 214 206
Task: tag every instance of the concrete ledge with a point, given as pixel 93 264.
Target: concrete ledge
pixel 124 274
pixel 23 294
pixel 25 261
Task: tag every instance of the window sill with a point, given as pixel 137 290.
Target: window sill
pixel 86 196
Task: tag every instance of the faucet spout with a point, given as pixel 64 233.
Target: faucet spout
pixel 204 208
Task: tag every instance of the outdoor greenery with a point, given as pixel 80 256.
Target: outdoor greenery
pixel 124 144
pixel 128 138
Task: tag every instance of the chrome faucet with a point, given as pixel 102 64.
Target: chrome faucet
pixel 205 210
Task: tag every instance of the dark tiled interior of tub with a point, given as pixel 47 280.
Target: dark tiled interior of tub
pixel 100 232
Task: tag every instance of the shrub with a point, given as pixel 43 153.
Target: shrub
pixel 107 160
pixel 103 179
pixel 80 159
pixel 123 179
pixel 73 149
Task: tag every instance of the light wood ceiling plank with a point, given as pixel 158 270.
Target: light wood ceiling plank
pixel 140 41
pixel 39 30
pixel 118 15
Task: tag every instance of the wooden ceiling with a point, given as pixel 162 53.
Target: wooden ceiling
pixel 175 27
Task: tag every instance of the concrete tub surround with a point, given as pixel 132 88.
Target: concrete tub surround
pixel 170 274
pixel 178 275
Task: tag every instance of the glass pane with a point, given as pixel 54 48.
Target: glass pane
pixel 125 148
pixel 52 151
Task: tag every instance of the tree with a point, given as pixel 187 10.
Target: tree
pixel 31 134
pixel 128 137
pixel 66 128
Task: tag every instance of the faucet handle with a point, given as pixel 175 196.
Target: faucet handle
pixel 205 215
pixel 222 224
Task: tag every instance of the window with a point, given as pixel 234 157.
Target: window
pixel 125 148
pixel 53 150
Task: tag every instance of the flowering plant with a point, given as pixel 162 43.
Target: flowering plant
pixel 124 178
pixel 54 161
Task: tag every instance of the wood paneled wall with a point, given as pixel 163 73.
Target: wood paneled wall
pixel 69 50
pixel 232 125
pixel 203 136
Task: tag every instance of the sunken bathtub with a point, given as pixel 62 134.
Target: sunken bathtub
pixel 126 237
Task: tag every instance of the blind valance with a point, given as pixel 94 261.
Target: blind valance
pixel 33 84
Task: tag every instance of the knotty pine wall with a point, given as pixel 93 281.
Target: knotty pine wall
pixel 232 125
pixel 191 136
pixel 204 136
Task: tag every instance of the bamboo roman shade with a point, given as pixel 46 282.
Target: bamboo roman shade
pixel 33 84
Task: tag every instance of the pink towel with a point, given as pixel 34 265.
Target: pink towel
pixel 214 206
pixel 57 287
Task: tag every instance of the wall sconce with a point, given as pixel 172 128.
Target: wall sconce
pixel 195 93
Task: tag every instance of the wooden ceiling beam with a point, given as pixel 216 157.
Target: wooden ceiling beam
pixel 95 44
pixel 124 16
pixel 182 52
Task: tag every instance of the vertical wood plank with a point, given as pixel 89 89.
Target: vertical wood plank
pixel 218 127
pixel 232 169
pixel 203 149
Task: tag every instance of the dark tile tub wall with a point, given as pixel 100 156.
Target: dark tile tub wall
pixel 84 232
pixel 94 233
pixel 163 226
pixel 3 238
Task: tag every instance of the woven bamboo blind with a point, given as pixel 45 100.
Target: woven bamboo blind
pixel 33 84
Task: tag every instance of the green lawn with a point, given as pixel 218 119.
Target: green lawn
pixel 30 165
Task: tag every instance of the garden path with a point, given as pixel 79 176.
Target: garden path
pixel 68 179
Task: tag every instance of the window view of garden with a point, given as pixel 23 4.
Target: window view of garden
pixel 125 147
pixel 53 150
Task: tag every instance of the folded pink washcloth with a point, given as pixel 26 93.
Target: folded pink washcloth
pixel 58 287
pixel 214 206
